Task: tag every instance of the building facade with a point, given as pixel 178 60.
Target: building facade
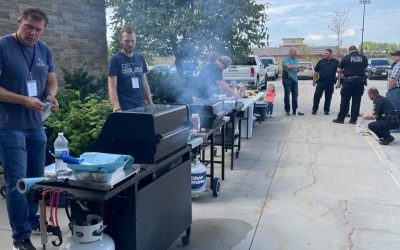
pixel 304 51
pixel 76 33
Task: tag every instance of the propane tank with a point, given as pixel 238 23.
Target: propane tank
pixel 89 236
pixel 198 177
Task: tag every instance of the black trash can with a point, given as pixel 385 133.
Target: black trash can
pixel 260 109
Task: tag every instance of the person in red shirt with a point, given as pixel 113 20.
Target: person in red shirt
pixel 269 98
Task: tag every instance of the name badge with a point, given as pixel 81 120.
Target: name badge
pixel 135 82
pixel 32 88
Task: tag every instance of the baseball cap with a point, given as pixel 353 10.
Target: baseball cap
pixel 395 53
pixel 226 60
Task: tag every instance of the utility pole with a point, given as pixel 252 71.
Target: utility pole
pixel 364 2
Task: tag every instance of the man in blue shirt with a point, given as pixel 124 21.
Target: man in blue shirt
pixel 127 82
pixel 27 80
pixel 384 115
pixel 290 67
pixel 324 78
pixel 209 81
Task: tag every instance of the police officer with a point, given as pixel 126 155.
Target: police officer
pixel 384 115
pixel 324 78
pixel 352 67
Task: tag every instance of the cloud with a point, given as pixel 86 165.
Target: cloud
pixel 315 37
pixel 349 32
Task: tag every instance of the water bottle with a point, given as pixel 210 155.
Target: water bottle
pixel 61 149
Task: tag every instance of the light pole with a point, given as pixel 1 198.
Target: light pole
pixel 364 2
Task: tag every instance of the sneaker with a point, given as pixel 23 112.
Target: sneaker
pixel 314 112
pixel 352 122
pixel 386 141
pixel 300 113
pixel 24 244
pixel 326 112
pixel 337 121
pixel 288 113
pixel 35 230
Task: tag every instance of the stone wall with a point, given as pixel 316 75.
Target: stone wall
pixel 76 33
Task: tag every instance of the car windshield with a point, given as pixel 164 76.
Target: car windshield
pixel 305 64
pixel 380 63
pixel 267 61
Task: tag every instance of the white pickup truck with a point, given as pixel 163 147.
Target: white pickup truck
pixel 252 74
pixel 271 67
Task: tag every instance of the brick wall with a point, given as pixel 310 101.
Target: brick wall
pixel 76 33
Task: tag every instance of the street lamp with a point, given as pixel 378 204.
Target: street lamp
pixel 364 2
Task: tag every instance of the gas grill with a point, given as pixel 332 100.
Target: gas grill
pixel 210 111
pixel 151 209
pixel 149 133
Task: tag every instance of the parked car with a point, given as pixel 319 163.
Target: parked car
pixel 252 73
pixel 378 68
pixel 189 69
pixel 161 69
pixel 307 72
pixel 271 66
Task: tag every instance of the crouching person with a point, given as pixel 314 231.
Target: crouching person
pixel 385 116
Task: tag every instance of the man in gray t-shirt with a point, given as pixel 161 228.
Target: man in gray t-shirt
pixel 27 81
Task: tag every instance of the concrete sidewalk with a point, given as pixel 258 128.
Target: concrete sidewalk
pixel 304 182
pixel 301 182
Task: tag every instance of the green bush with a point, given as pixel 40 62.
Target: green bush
pixel 169 88
pixel 80 79
pixel 80 120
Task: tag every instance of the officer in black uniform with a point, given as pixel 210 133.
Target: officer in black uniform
pixel 324 77
pixel 352 66
pixel 385 116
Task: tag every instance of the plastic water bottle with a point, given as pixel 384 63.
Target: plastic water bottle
pixel 61 149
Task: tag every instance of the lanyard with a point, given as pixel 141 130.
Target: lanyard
pixel 26 60
pixel 129 59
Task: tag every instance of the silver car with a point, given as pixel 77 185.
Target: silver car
pixel 307 72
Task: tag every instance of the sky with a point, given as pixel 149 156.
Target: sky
pixel 309 19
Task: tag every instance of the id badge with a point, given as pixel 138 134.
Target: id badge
pixel 135 82
pixel 32 88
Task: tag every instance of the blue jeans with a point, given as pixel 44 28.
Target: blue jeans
pixel 23 155
pixel 290 86
pixel 394 97
pixel 270 108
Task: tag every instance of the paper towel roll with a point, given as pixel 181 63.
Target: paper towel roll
pixel 23 185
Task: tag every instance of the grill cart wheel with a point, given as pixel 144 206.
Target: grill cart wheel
pixel 216 187
pixel 186 239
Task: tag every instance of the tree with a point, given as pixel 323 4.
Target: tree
pixel 189 28
pixel 338 25
pixel 379 49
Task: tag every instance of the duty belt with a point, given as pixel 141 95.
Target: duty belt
pixel 352 77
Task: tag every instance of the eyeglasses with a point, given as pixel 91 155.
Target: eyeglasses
pixel 225 66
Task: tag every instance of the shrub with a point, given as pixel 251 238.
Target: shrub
pixel 80 120
pixel 80 79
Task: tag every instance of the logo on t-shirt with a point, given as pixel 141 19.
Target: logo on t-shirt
pixel 40 62
pixel 130 69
